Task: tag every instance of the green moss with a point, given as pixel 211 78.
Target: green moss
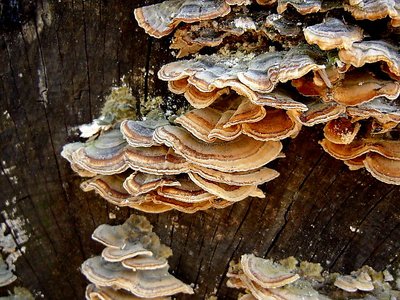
pixel 119 105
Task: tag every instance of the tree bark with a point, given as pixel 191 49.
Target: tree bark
pixel 57 62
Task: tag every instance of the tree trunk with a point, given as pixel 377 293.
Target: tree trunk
pixel 57 62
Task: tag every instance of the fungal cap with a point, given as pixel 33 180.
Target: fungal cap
pixel 333 33
pixel 140 133
pixel 242 154
pixel 142 283
pixel 160 19
pixel 108 293
pixel 140 183
pixel 227 192
pixel 265 272
pixel 253 177
pixel 341 130
pixel 383 169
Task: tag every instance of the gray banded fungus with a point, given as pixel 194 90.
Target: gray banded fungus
pixel 67 151
pixel 259 74
pixel 142 283
pixel 258 84
pixel 140 133
pixel 241 154
pixel 102 158
pixel 108 293
pixel 133 263
pixel 160 19
pixel 265 272
pixel 333 33
pixel 374 10
pixel 258 122
pixel 303 7
pixel 367 52
pixel 349 283
pixel 253 177
pixel 381 109
pixel 187 191
pixel 110 188
pixel 264 279
pixel 141 183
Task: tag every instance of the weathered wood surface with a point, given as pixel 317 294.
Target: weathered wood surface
pixel 55 70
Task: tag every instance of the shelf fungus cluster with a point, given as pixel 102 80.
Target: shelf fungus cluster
pixel 154 166
pixel 264 279
pixel 133 264
pixel 263 69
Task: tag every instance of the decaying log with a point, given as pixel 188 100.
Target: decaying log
pixel 58 61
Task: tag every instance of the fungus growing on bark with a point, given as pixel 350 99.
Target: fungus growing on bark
pixel 385 147
pixel 139 133
pixel 110 188
pixel 141 183
pixel 319 112
pixel 111 154
pixel 303 7
pixel 158 182
pixel 341 131
pixel 374 10
pixel 160 19
pixel 252 177
pixel 266 279
pixel 108 293
pixel 187 191
pixel 358 87
pixel 247 99
pixel 241 154
pixel 333 33
pixel 266 273
pixel 134 262
pixel 362 282
pixel 287 279
pixel 259 73
pixel 142 283
pixel 367 52
pixel 383 168
pixel 225 191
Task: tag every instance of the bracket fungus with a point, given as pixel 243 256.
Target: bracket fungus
pixel 265 73
pixel 241 154
pixel 160 19
pixel 374 10
pixel 265 279
pixel 133 264
pixel 155 167
pixel 333 33
pixel 303 7
pixel 367 52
